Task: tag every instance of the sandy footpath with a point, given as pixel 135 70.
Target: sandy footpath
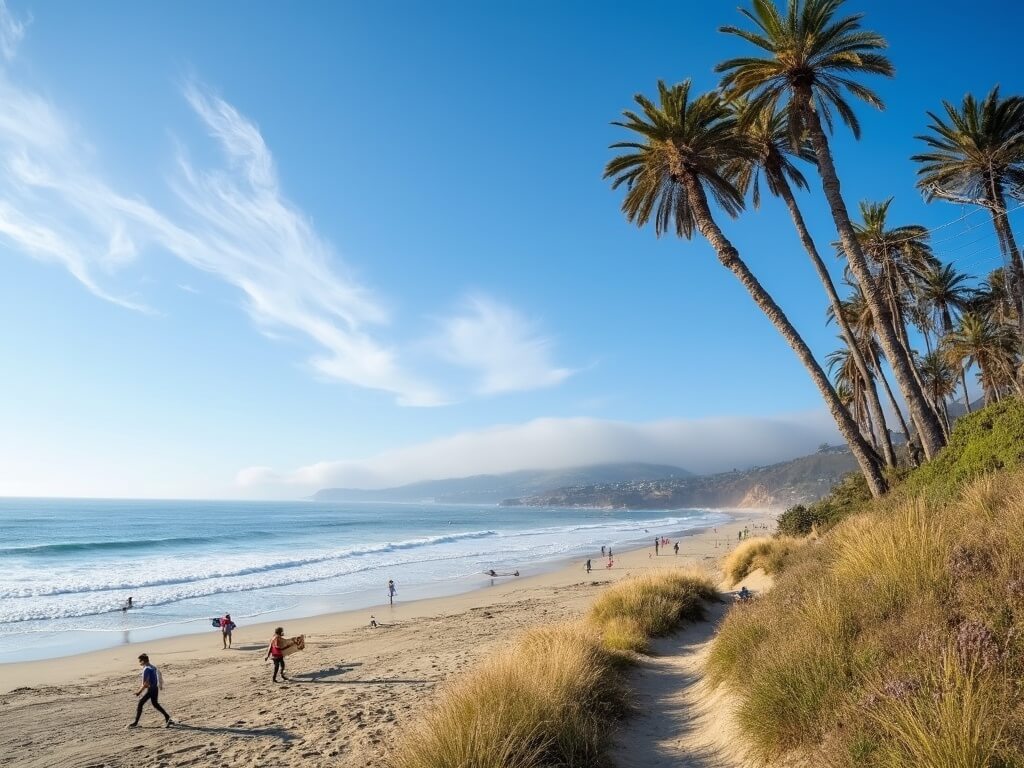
pixel 352 689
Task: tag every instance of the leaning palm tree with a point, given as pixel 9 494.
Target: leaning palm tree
pixel 680 157
pixel 976 155
pixel 809 59
pixel 859 318
pixel 773 159
pixel 976 341
pixel 945 292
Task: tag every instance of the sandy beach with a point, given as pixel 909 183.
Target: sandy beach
pixel 351 692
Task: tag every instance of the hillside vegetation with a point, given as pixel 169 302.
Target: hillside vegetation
pixel 897 639
pixel 803 479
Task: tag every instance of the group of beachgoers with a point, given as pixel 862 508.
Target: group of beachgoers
pixel 663 542
pixel 152 681
pixel 660 543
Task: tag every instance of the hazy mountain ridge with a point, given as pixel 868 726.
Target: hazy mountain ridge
pixel 492 489
pixel 778 485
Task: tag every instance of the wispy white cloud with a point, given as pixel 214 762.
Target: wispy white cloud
pixel 12 30
pixel 234 221
pixel 699 445
pixel 240 226
pixel 505 349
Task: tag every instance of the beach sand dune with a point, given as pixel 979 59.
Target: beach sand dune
pixel 353 689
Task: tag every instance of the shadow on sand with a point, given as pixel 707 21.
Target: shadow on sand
pixel 282 734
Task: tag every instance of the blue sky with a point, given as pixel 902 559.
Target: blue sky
pixel 249 250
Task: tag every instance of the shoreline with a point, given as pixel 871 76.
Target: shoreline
pixel 553 573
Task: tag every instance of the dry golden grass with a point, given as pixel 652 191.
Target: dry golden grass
pixel 897 640
pixel 551 698
pixel 768 554
pixel 649 605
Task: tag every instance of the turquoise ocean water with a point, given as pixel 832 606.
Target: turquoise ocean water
pixel 69 565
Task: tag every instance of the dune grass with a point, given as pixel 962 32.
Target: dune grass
pixel 629 613
pixel 551 698
pixel 896 640
pixel 769 554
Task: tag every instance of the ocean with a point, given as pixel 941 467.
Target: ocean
pixel 70 565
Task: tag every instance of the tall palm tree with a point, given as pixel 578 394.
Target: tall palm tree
pixel 945 292
pixel 976 155
pixel 809 59
pixel 858 316
pixel 977 341
pixel 681 154
pixel 773 158
pixel 897 257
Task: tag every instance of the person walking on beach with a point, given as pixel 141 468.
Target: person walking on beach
pixel 656 547
pixel 274 650
pixel 676 548
pixel 602 551
pixel 391 591
pixel 151 684
pixel 227 626
pixel 588 566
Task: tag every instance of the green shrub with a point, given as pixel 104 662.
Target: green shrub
pixel 844 499
pixel 988 440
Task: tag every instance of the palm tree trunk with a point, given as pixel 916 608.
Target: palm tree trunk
pixel 967 397
pixel 871 394
pixel 892 399
pixel 930 432
pixel 1008 245
pixel 730 259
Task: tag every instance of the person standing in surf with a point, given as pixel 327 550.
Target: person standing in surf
pixel 274 650
pixel 391 591
pixel 151 684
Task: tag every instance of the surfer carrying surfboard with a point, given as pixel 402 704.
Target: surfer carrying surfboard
pixel 275 650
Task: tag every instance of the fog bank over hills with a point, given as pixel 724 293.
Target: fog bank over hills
pixel 701 446
pixel 492 489
pixel 629 485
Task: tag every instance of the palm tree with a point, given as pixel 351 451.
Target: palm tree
pixel 773 158
pixel 992 300
pixel 683 149
pixel 847 377
pixel 940 381
pixel 977 156
pixel 861 322
pixel 898 256
pixel 810 59
pixel 945 292
pixel 977 341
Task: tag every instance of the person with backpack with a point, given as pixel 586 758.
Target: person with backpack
pixel 152 682
pixel 226 628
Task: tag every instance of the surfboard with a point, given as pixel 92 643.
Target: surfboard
pixel 292 644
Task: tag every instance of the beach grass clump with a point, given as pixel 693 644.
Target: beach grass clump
pixel 549 701
pixel 544 702
pixel 769 554
pixel 897 639
pixel 652 604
